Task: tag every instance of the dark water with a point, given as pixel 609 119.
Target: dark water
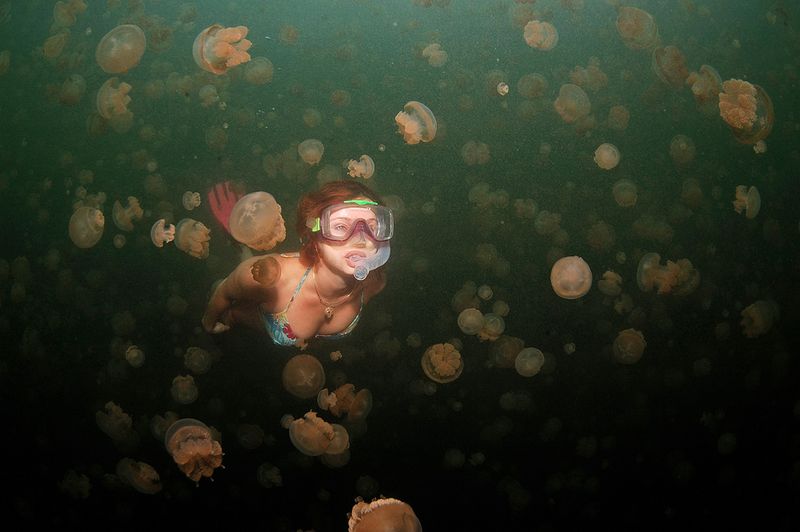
pixel 702 431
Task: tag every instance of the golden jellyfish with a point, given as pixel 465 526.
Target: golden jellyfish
pixel 303 376
pixel 758 318
pixel 134 356
pixel 197 360
pixel 363 167
pixel 470 321
pixel 256 221
pixel 681 150
pixel 747 109
pixel 112 98
pixel 571 277
pixel 72 90
pixel 208 95
pixel 416 123
pixel 637 28
pixel 311 117
pixel 600 236
pixel 139 475
pixel 345 400
pixel 625 193
pixel 748 200
pixel 184 390
pixel 121 49
pixel 705 85
pixel 669 65
pixel 572 103
pixel 259 71
pixel 289 35
pixel 161 233
pixel 475 153
pixel 678 278
pixel 190 200
pixel 189 442
pixel 529 362
pixel 493 327
pixel 629 346
pixel 435 55
pixel 532 86
pixel 86 226
pixel 312 435
pixel 618 117
pixel 610 284
pixel 192 237
pixel 442 363
pixel 266 271
pixel 540 35
pixel 340 98
pixel 311 150
pixel 381 515
pixel 55 44
pixel 217 48
pixel 606 156
pixel 125 216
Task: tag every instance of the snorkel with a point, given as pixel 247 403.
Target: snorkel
pixel 372 263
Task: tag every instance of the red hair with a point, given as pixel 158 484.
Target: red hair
pixel 312 204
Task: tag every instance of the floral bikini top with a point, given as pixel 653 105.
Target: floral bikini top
pixel 278 328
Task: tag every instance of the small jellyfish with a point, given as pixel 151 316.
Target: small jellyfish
pixel 442 363
pixel 184 390
pixel 531 86
pixel 475 153
pixel 259 71
pixel 610 284
pixel 190 443
pixel 266 271
pixel 606 156
pixel 346 401
pixel 383 514
pixel 192 237
pixel 124 216
pixel 435 55
pixel 678 278
pixel 502 88
pixel 572 103
pixel 217 48
pixel 625 193
pixel 363 167
pixel 135 356
pixel 112 98
pixel 470 321
pixel 311 435
pixel 493 327
pixel 121 49
pixel 681 150
pixel 669 65
pixel 758 318
pixel 197 360
pixel 72 90
pixel 540 35
pixel 190 200
pixel 311 150
pixel 705 85
pixel 529 362
pixel 416 123
pixel 748 200
pixel 256 221
pixel 139 475
pixel 161 233
pixel 629 346
pixel 86 226
pixel 571 277
pixel 303 376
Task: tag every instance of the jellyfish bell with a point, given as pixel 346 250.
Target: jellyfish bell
pixel 540 35
pixel 217 48
pixel 364 167
pixel 139 475
pixel 442 363
pixel 124 216
pixel 121 49
pixel 637 28
pixel 303 376
pixel 607 156
pixel 747 109
pixel 416 123
pixel 572 103
pixel 669 66
pixel 571 277
pixel 189 442
pixel 625 193
pixel 190 200
pixel 748 200
pixel 470 321
pixel 629 346
pixel 86 226
pixel 192 237
pixel 112 98
pixel 311 435
pixel 681 150
pixel 382 514
pixel 311 150
pixel 161 234
pixel 256 221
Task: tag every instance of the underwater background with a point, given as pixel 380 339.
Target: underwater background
pixel 703 429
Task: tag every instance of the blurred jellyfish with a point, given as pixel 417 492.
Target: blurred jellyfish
pixel 637 28
pixel 250 436
pixel 748 200
pixel 363 167
pixel 442 363
pixel 189 442
pixel 681 150
pixel 303 376
pixel 217 48
pixel 383 514
pixel 121 49
pixel 529 362
pixel 531 86
pixel 112 98
pixel 72 90
pixel 606 156
pixel 572 103
pixel 190 200
pixel 540 35
pixel 139 475
pixel 629 346
pixel 135 356
pixel 86 226
pixel 124 216
pixel 758 318
pixel 747 109
pixel 208 95
pixel 705 85
pixel 161 234
pixel 117 425
pixel 470 321
pixel 269 475
pixel 184 390
pixel 259 71
pixel 618 117
pixel 256 221
pixel 625 193
pixel 678 278
pixel 493 327
pixel 610 284
pixel 357 406
pixel 311 150
pixel 416 123
pixel 435 55
pixel 571 277
pixel 192 237
pixel 475 153
pixel 197 360
pixel 669 65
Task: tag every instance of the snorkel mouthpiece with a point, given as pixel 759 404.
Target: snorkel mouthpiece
pixel 376 261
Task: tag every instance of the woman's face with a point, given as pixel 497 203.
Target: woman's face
pixel 343 256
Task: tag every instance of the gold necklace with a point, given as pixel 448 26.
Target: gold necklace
pixel 330 307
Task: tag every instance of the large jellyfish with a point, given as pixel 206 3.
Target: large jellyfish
pixel 571 277
pixel 256 221
pixel 217 48
pixel 303 376
pixel 416 123
pixel 382 515
pixel 189 442
pixel 747 109
pixel 86 226
pixel 192 237
pixel 121 49
pixel 442 363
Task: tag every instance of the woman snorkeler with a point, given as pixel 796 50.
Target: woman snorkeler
pixel 321 291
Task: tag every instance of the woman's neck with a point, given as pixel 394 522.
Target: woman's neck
pixel 331 285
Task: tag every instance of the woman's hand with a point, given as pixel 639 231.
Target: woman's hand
pixel 212 326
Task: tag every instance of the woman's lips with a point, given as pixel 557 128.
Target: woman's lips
pixel 353 258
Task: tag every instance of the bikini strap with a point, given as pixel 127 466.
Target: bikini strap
pixel 296 290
